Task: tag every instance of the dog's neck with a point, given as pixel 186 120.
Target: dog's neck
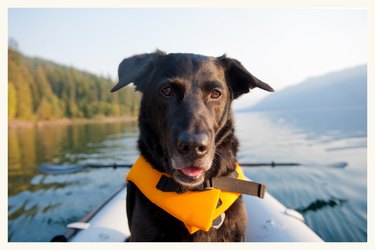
pixel 225 154
pixel 226 150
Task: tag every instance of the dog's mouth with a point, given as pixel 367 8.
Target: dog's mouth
pixel 189 172
pixel 192 171
pixel 190 176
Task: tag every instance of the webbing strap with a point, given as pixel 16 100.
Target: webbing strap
pixel 228 184
pixel 239 186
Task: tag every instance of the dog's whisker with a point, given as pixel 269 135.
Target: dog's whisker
pixel 219 155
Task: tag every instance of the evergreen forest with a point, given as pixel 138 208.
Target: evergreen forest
pixel 43 90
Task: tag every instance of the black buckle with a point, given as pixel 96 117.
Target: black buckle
pixel 208 184
pixel 167 184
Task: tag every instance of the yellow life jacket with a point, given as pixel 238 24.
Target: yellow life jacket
pixel 196 209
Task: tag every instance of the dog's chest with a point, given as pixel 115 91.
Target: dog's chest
pixel 154 224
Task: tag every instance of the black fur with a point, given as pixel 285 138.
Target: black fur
pixel 190 127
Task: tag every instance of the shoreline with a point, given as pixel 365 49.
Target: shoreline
pixel 12 124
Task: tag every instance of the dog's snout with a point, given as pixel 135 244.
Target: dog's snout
pixel 196 145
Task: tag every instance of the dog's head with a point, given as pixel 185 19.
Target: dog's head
pixel 186 105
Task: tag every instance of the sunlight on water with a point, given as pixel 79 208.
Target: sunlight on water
pixel 333 201
pixel 41 205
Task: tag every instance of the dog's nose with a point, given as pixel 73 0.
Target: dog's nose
pixel 193 144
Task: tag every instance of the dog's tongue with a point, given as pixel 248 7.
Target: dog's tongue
pixel 191 171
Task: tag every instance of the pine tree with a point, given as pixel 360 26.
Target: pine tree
pixel 44 111
pixel 12 101
pixel 39 89
pixel 24 102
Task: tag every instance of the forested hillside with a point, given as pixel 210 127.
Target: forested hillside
pixel 42 90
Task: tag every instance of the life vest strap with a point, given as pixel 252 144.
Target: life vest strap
pixel 239 186
pixel 229 184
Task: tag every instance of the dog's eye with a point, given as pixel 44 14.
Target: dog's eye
pixel 167 91
pixel 215 94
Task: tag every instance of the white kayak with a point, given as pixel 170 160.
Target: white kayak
pixel 268 221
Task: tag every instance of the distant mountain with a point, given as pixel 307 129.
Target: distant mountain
pixel 342 88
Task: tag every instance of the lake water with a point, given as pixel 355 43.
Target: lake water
pixel 333 201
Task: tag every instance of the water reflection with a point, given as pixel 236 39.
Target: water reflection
pixel 316 139
pixel 306 136
pixel 39 205
pixel 335 123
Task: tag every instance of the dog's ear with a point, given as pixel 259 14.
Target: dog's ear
pixel 239 79
pixel 135 68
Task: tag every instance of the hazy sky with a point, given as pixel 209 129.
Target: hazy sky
pixel 280 46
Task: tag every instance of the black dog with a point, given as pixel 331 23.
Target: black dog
pixel 187 131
